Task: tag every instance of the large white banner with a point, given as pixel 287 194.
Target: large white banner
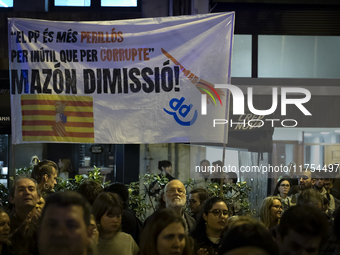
pixel 129 81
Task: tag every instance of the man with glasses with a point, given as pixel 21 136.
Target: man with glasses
pixel 175 199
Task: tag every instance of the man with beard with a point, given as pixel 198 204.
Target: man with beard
pixel 305 182
pixel 175 199
pixel 319 186
pixel 65 225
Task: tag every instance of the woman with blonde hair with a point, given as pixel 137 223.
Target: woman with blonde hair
pixel 270 212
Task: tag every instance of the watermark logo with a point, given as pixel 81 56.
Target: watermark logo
pixel 178 106
pixel 238 106
pixel 238 100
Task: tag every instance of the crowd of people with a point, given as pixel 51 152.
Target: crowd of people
pixel 302 219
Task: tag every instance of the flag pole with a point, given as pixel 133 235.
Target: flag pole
pixel 225 138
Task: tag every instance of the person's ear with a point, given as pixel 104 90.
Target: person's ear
pixel 45 177
pixel 11 200
pixel 164 197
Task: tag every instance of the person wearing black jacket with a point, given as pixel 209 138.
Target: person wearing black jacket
pixel 210 227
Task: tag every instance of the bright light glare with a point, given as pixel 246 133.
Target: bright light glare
pixel 80 3
pixel 104 3
pixel 6 3
pixel 119 3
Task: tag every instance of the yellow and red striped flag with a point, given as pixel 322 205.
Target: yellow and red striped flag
pixel 57 118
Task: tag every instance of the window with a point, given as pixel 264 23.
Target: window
pixel 119 3
pixel 72 3
pixel 6 3
pixel 104 3
pixel 241 58
pixel 299 56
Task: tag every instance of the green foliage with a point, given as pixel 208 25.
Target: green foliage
pixel 233 193
pixel 23 171
pixel 141 202
pixel 73 184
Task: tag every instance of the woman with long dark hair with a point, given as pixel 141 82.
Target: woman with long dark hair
pixel 281 190
pixel 210 226
pixel 164 234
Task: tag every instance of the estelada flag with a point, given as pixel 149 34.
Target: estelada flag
pixel 54 118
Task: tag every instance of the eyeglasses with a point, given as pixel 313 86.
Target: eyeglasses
pixel 217 212
pixel 285 185
pixel 278 206
pixel 173 191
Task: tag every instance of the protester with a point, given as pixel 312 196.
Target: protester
pixel 310 197
pixel 319 187
pixel 25 215
pixel 175 199
pixel 270 212
pixel 107 209
pixel 203 180
pixel 281 190
pixel 301 230
pixel 197 198
pixel 164 234
pixel 45 173
pixel 65 168
pixel 90 190
pixel 130 223
pixel 305 182
pixel 240 220
pixel 249 235
pixel 65 225
pixel 210 226
pixel 231 178
pixel 216 172
pixel 4 233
